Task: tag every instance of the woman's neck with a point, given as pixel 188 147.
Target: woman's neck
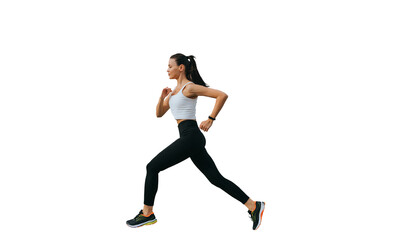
pixel 182 80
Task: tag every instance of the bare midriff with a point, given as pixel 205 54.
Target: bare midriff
pixel 181 120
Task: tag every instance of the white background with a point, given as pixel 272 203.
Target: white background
pixel 317 123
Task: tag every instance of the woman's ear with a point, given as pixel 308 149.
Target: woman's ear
pixel 182 67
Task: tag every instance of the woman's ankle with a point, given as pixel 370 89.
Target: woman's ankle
pixel 147 210
pixel 251 205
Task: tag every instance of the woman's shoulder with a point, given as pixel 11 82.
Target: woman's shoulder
pixel 193 86
pixel 199 90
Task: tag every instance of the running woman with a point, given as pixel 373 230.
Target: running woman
pixel 182 102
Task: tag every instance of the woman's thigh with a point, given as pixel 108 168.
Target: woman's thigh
pixel 175 153
pixel 205 163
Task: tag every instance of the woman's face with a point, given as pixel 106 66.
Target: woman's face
pixel 173 70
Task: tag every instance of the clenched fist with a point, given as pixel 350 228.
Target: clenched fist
pixel 205 125
pixel 166 92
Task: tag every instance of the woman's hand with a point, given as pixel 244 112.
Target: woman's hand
pixel 166 92
pixel 205 125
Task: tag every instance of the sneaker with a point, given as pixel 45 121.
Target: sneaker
pixel 141 220
pixel 257 214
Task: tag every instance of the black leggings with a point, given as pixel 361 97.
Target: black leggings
pixel 190 144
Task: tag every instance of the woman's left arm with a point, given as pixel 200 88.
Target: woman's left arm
pixel 221 97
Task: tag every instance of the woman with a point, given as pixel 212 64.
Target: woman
pixel 182 102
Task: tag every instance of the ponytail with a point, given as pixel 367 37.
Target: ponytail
pixel 192 73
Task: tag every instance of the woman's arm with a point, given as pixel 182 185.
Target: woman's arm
pixel 221 97
pixel 220 101
pixel 163 104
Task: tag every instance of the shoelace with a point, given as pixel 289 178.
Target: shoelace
pixel 138 216
pixel 250 215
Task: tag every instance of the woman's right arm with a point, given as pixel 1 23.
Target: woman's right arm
pixel 163 104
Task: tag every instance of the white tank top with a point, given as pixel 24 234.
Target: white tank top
pixel 181 106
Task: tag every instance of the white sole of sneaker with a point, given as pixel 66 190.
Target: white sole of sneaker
pixel 262 209
pixel 142 224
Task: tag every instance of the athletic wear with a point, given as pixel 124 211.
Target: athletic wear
pixel 181 106
pixel 257 214
pixel 190 144
pixel 141 220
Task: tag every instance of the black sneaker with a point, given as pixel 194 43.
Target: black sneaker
pixel 141 220
pixel 257 214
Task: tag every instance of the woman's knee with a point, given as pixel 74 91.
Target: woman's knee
pixel 216 179
pixel 152 168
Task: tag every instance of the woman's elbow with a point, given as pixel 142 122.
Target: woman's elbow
pixel 158 114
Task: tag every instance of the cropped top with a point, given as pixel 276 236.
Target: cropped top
pixel 181 106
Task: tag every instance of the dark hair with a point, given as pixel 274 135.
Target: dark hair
pixel 191 69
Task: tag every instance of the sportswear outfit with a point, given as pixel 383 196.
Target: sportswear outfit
pixel 190 144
